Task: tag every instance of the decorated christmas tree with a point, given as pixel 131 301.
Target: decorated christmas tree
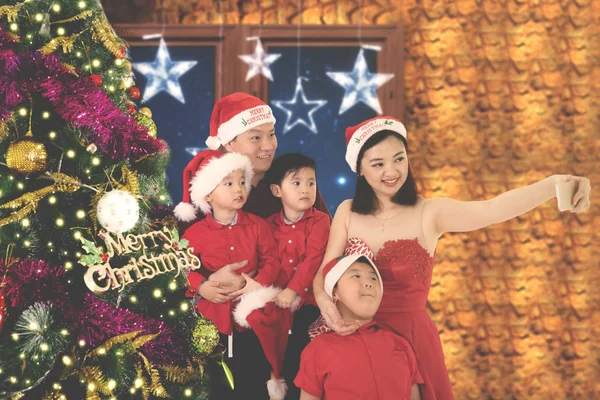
pixel 92 269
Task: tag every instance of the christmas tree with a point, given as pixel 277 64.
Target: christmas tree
pixel 92 269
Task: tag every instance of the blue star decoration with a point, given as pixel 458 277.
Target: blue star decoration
pixel 163 74
pixel 299 110
pixel 360 85
pixel 259 62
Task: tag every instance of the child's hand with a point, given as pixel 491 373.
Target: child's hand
pixel 212 292
pixel 251 285
pixel 285 298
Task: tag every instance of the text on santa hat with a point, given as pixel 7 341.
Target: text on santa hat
pixel 162 252
pixel 371 128
pixel 257 114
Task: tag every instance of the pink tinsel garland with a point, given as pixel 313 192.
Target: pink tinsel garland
pixel 77 100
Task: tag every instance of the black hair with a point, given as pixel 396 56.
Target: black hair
pixel 287 164
pixel 365 201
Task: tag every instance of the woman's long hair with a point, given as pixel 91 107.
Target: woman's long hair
pixel 365 200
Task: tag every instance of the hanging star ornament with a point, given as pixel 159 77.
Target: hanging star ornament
pixel 299 104
pixel 360 85
pixel 163 74
pixel 259 62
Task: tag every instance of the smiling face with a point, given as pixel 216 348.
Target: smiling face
pixel 230 194
pixel 385 166
pixel 259 144
pixel 358 292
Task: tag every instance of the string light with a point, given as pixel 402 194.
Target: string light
pixel 101 351
pixel 133 299
pixel 118 62
pixel 52 199
pixel 91 386
pixel 138 383
pixel 80 214
pixel 50 244
pixel 187 392
pixel 61 31
pixel 64 332
pixel 71 153
pixel 185 306
pixel 66 360
pixel 68 265
pixel 82 343
pixel 13 379
pixel 82 4
pixel 78 54
pixel 171 313
pixel 44 347
pixel 132 390
pixel 77 235
pixel 112 384
pixel 56 7
pixel 111 88
pixel 60 222
pixel 52 134
pixel 39 17
pixel 96 63
pixel 45 115
pixel 15 336
pixel 157 293
pixel 22 356
pixel 27 243
pixel 95 161
pixel 173 285
pixel 22 112
pixel 20 185
pixel 14 27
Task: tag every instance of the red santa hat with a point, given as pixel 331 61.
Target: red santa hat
pixel 203 174
pixel 356 136
pixel 335 268
pixel 235 114
pixel 271 324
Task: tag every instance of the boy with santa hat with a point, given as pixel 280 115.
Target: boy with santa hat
pixel 218 185
pixel 369 364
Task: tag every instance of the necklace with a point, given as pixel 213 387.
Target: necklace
pixel 382 221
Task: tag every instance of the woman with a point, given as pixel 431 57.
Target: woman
pixel 387 218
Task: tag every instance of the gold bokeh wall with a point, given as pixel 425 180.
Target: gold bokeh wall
pixel 499 94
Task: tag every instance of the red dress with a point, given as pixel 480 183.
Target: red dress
pixel 406 268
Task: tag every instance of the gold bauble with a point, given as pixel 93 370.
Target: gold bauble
pixel 205 337
pixel 142 119
pixel 26 157
pixel 146 111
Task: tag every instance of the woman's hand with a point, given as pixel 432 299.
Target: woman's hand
pixel 285 298
pixel 334 319
pixel 251 285
pixel 581 199
pixel 211 291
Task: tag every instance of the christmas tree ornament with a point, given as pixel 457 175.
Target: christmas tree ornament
pixel 146 121
pixel 26 156
pixel 121 52
pixel 163 74
pixel 92 148
pixel 146 111
pixel 131 108
pixel 205 337
pixel 134 93
pixel 360 85
pixel 96 79
pixel 118 211
pixel 259 62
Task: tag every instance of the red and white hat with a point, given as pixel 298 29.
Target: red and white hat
pixel 356 136
pixel 203 174
pixel 335 268
pixel 235 114
pixel 271 324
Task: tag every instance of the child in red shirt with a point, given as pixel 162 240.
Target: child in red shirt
pixel 301 233
pixel 219 188
pixel 371 363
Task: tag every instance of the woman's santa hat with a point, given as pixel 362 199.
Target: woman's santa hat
pixel 271 324
pixel 356 136
pixel 335 268
pixel 203 174
pixel 235 114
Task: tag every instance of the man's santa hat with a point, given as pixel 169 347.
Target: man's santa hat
pixel 356 136
pixel 271 324
pixel 335 268
pixel 203 174
pixel 235 114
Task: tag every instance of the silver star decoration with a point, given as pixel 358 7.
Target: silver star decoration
pixel 299 101
pixel 360 85
pixel 163 74
pixel 259 62
pixel 194 150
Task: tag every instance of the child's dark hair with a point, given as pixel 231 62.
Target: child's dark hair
pixel 365 201
pixel 287 164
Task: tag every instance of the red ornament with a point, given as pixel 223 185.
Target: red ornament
pixel 121 53
pixel 134 93
pixel 131 108
pixel 2 309
pixel 97 79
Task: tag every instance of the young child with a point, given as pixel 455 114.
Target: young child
pixel 371 363
pixel 218 185
pixel 301 233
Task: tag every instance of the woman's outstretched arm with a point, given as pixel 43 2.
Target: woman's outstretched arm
pixel 449 215
pixel 338 237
